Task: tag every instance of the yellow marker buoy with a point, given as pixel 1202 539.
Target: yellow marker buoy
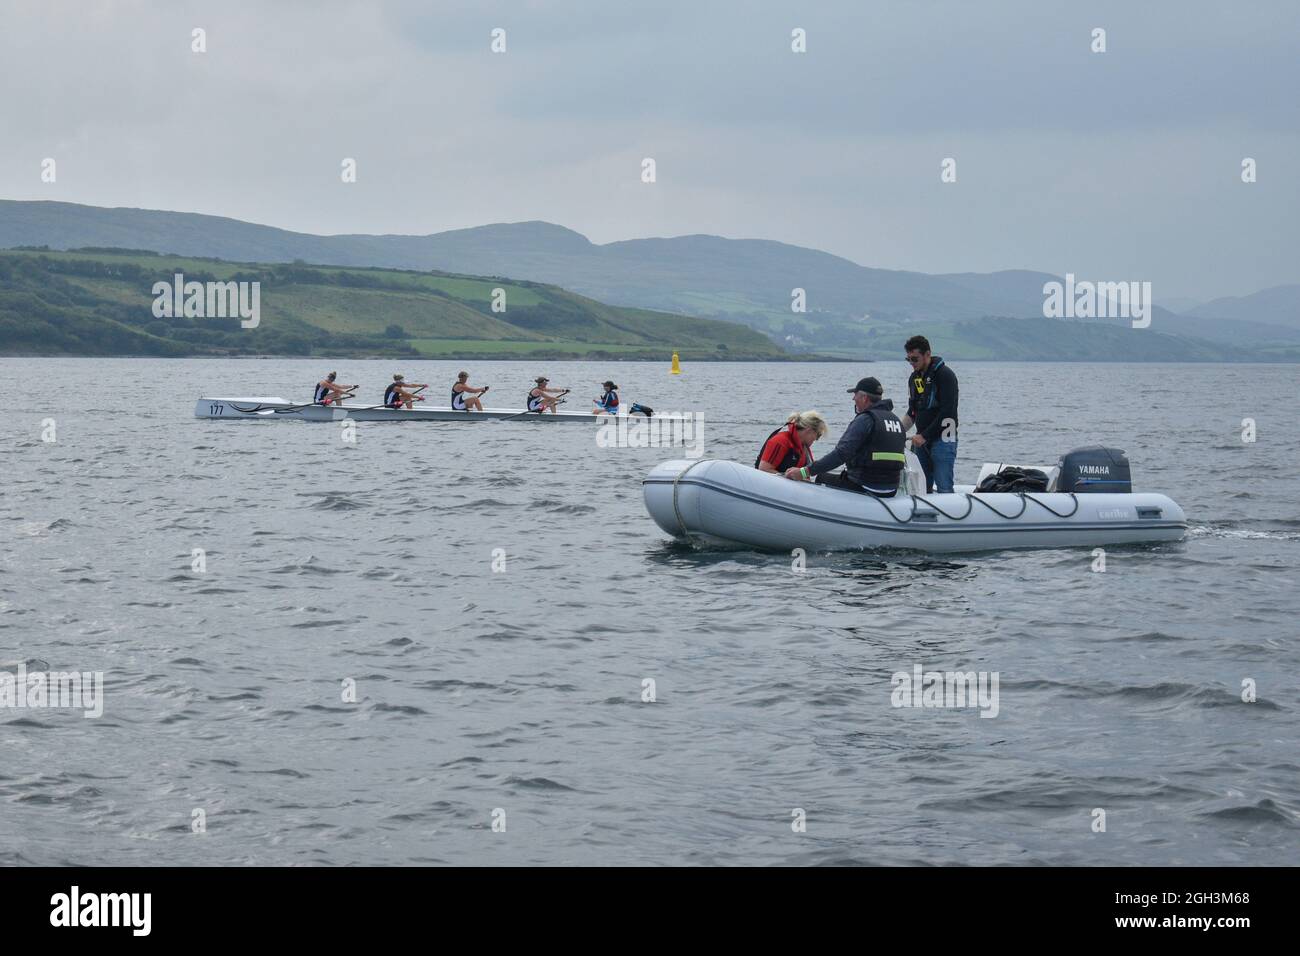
pixel 677 365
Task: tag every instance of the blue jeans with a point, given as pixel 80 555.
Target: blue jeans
pixel 937 461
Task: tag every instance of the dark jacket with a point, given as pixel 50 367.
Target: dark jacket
pixel 932 399
pixel 855 448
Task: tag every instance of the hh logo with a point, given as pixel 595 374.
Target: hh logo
pixel 893 426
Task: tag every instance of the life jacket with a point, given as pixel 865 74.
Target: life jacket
pixel 884 454
pixel 609 402
pixel 457 399
pixel 392 397
pixel 923 389
pixel 793 458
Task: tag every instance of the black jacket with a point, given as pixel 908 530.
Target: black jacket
pixel 854 449
pixel 932 399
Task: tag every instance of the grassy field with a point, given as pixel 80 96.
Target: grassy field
pixel 100 302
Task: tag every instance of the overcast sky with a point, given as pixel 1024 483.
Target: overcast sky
pixel 1122 165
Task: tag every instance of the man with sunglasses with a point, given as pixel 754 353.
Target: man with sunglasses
pixel 932 407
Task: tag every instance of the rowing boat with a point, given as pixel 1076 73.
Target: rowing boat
pixel 265 409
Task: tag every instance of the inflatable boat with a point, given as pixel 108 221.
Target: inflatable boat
pixel 1088 502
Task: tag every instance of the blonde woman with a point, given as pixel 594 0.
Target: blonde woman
pixel 790 446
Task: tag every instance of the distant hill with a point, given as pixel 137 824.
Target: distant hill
pixel 1279 306
pixel 100 302
pixel 852 311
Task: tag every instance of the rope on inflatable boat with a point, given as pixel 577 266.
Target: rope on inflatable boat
pixel 676 511
pixel 1023 506
pixel 1053 510
pixel 969 508
pixel 1025 498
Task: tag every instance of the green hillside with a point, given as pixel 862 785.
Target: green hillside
pixel 100 302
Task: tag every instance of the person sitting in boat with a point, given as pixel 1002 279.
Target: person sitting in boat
pixel 790 446
pixel 397 394
pixel 465 397
pixel 871 448
pixel 607 404
pixel 327 393
pixel 540 398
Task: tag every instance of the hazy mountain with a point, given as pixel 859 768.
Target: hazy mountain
pixel 1279 305
pixel 1179 304
pixel 851 310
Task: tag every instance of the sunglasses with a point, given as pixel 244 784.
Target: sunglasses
pixel 915 359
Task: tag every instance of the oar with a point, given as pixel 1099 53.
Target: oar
pixel 523 413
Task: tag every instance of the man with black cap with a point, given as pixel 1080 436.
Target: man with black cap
pixel 871 448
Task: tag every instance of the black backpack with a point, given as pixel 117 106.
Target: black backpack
pixel 1014 479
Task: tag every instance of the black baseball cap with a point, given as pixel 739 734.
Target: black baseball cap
pixel 869 385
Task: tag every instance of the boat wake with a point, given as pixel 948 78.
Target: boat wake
pixel 1209 531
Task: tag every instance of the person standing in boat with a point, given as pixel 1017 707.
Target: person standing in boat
pixel 464 397
pixel 790 446
pixel 932 407
pixel 397 394
pixel 871 448
pixel 327 393
pixel 540 398
pixel 607 404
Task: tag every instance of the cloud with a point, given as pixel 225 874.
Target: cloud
pixel 1121 164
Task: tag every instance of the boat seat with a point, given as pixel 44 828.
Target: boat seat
pixel 1053 472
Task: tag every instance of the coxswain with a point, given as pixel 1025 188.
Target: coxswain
pixel 607 404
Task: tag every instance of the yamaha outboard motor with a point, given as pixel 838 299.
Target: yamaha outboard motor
pixel 1095 469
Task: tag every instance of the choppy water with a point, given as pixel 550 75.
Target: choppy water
pixel 521 690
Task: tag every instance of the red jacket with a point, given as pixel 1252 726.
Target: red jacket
pixel 783 450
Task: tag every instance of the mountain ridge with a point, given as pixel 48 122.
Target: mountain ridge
pixel 751 281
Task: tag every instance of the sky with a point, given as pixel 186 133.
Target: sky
pixel 1122 165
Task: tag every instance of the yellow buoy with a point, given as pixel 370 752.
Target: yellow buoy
pixel 677 365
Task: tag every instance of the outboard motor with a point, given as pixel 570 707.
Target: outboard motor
pixel 1095 469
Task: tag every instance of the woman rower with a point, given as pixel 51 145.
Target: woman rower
pixel 396 395
pixel 540 398
pixel 464 397
pixel 790 446
pixel 327 393
pixel 607 404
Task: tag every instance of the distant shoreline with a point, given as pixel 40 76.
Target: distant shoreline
pixel 502 357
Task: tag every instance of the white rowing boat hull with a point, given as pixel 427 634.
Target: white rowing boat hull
pixel 728 502
pixel 265 409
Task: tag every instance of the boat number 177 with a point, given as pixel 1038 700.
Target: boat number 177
pixel 216 409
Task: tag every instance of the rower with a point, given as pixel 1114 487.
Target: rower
pixel 464 397
pixel 607 404
pixel 327 393
pixel 540 398
pixel 396 395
